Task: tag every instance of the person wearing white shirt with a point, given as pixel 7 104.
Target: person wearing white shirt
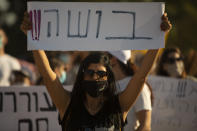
pixel 139 117
pixel 7 62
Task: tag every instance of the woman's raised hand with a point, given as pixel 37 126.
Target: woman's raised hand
pixel 26 24
pixel 165 24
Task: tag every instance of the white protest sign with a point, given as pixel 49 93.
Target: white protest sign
pixel 175 105
pixel 27 109
pixel 95 26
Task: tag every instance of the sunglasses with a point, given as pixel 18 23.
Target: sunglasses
pixel 173 60
pixel 91 73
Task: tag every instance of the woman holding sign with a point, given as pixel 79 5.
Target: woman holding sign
pixel 93 104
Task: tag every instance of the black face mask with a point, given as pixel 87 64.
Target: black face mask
pixel 94 88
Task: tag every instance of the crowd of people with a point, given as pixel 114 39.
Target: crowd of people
pixel 80 69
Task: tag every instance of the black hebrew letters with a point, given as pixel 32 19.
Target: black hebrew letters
pixel 56 11
pixel 79 35
pixel 25 121
pixel 99 12
pixel 28 98
pixel 181 89
pixel 82 27
pixel 39 122
pixel 36 100
pixel 13 95
pixel 1 101
pixel 50 107
pixel 133 36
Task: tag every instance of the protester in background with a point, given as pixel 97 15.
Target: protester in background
pixel 7 62
pixel 67 58
pixel 93 104
pixel 139 117
pixel 73 66
pixel 171 64
pixel 71 61
pixel 30 69
pixel 20 78
pixel 191 62
pixel 59 68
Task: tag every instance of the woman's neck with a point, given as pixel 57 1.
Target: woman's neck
pixel 93 105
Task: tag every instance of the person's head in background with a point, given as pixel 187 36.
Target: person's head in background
pixel 20 78
pixel 3 41
pixel 58 67
pixel 121 64
pixel 72 62
pixel 171 64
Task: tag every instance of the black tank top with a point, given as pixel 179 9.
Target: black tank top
pixel 109 118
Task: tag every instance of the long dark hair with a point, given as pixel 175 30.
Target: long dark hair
pixel 78 93
pixel 164 58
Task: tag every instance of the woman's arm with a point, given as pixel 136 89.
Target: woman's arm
pixel 60 97
pixel 144 118
pixel 129 95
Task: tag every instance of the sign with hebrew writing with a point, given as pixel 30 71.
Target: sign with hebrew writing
pixel 95 26
pixel 175 104
pixel 27 109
